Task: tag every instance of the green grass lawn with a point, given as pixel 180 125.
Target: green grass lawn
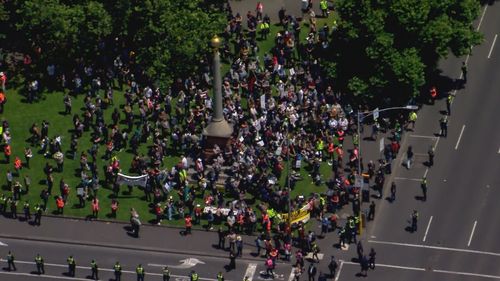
pixel 50 107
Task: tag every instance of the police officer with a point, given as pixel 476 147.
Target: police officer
pixel 166 274
pixel 38 215
pixel 342 237
pixel 71 266
pixel 423 185
pixel 39 264
pixel 140 272
pixel 10 261
pixel 95 270
pixel 220 277
pixel 194 276
pixel 118 271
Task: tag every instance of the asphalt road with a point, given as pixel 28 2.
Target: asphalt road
pixel 457 237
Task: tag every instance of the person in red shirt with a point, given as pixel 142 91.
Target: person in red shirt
pixel 7 151
pixel 17 164
pixel 114 208
pixel 188 223
pixel 3 99
pixel 95 207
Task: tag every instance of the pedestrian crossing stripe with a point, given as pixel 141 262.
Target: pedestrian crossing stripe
pixel 345 247
pixel 310 256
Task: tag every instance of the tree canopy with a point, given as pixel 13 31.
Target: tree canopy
pixel 167 37
pixel 385 48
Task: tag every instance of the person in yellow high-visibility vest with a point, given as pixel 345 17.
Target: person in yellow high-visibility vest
pixel 323 5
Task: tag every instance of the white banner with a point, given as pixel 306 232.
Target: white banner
pixel 132 180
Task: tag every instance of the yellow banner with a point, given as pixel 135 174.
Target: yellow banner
pixel 302 215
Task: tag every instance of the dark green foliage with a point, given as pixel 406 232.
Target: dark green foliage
pixel 385 48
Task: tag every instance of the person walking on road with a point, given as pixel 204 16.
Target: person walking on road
pixel 443 122
pixel 71 266
pixel 194 276
pixel 449 101
pixel 118 271
pixel 10 262
pixel 166 274
pixel 270 267
pixel 222 239
pixel 220 276
pixel 364 266
pixel 40 266
pixel 140 272
pixel 332 266
pixel 371 212
pixel 311 272
pixel 232 260
pixel 95 270
pixel 423 185
pixel 430 152
pixel 359 250
pixel 393 192
pixel 371 261
pixel 409 157
pixel 414 221
pixel 464 72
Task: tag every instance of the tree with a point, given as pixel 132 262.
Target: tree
pixel 174 43
pixel 397 42
pixel 60 31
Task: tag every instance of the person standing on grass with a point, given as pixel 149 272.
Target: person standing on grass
pixel 95 207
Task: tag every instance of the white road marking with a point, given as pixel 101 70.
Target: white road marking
pixel 428 269
pixel 102 269
pixel 425 137
pixel 466 62
pixel 498 150
pixel 251 270
pixel 482 17
pixel 5 245
pixel 340 269
pixel 292 274
pixel 426 171
pixel 467 273
pixel 460 137
pixel 472 233
pixel 390 266
pixel 492 45
pixel 408 179
pixel 43 276
pixel 427 229
pixel 436 248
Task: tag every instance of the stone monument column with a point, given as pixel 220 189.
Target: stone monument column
pixel 218 131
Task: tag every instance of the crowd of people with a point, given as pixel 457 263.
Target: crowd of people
pixel 282 107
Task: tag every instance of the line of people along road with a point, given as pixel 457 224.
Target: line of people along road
pixel 94 269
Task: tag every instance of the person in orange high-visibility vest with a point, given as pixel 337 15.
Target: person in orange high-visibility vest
pixel 265 220
pixel 188 223
pixel 7 151
pixel 18 164
pixel 60 205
